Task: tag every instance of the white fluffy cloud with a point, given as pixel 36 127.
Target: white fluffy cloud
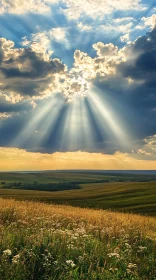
pixel 150 21
pixel 98 8
pixel 74 9
pixel 42 40
pixel 147 22
pixel 105 49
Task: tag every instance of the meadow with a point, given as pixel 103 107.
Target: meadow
pixel 42 241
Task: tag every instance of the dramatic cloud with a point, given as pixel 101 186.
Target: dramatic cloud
pixel 140 64
pixel 27 71
pixel 32 72
pixel 104 51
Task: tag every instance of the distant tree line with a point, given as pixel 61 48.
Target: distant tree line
pixel 41 186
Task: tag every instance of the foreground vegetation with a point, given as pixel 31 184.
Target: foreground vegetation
pixel 40 241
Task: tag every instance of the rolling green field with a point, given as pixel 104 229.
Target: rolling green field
pixel 121 192
pixel 72 176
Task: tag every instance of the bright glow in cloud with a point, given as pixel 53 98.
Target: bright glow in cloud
pixel 125 38
pixel 5 116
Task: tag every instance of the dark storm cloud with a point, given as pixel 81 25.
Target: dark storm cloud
pixel 135 99
pixel 143 65
pixel 37 66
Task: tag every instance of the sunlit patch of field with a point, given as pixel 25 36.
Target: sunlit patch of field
pixel 40 241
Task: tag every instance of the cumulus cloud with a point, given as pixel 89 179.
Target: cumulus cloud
pixel 105 49
pixel 141 60
pixel 87 69
pixel 134 66
pixel 31 72
pixel 150 21
pixel 42 41
pixel 28 71
pixel 147 22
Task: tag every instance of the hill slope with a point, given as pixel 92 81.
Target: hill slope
pixel 40 241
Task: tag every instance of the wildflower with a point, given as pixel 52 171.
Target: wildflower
pixel 113 270
pixel 128 246
pixel 110 255
pixel 141 248
pixel 15 259
pixel 132 266
pixel 7 252
pixel 70 263
pixel 80 258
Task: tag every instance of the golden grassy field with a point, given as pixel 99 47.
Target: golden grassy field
pixel 41 241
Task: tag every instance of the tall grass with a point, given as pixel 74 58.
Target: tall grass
pixel 48 242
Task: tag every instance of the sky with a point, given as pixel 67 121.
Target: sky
pixel 77 84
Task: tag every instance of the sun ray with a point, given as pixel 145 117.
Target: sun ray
pixel 34 120
pixel 105 113
pixel 47 128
